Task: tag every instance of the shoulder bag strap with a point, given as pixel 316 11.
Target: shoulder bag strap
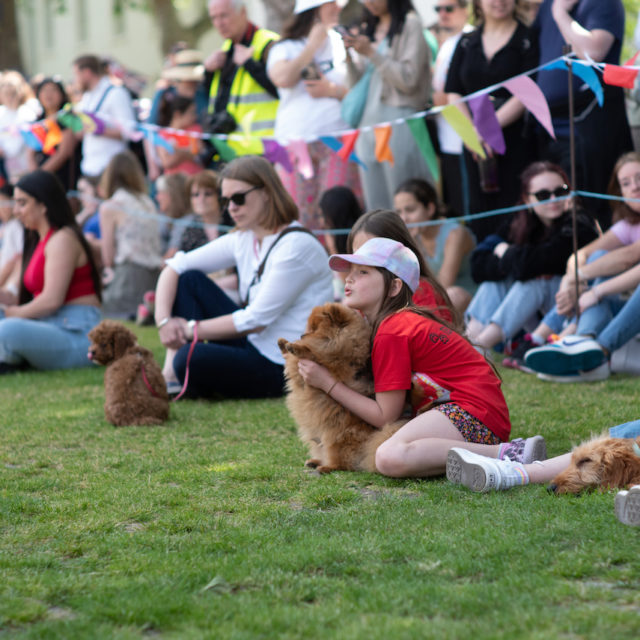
pixel 260 270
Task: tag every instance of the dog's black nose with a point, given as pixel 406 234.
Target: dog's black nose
pixel 552 488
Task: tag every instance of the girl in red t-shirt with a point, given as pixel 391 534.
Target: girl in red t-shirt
pixel 415 350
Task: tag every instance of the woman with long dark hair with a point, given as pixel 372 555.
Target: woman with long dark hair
pixel 46 326
pixel 521 266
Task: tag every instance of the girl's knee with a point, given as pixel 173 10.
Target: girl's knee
pixel 390 460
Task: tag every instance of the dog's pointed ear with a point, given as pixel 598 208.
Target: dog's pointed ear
pixel 338 314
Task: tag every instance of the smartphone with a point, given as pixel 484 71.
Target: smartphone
pixel 342 30
pixel 310 72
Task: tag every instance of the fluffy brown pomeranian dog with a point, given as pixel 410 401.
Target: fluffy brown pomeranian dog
pixel 339 339
pixel 602 462
pixel 135 392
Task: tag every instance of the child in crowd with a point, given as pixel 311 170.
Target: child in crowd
pixel 180 113
pixel 446 246
pixel 388 224
pixel 461 402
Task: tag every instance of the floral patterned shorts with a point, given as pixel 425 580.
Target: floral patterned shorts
pixel 471 429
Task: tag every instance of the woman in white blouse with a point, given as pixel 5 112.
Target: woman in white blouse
pixel 236 354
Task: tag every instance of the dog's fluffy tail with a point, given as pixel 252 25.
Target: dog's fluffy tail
pixel 368 461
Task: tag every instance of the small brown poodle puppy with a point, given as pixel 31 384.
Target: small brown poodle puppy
pixel 135 392
pixel 339 339
pixel 601 462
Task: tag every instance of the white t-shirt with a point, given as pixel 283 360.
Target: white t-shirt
pixel 450 141
pixel 12 240
pixel 116 110
pixel 299 115
pixel 296 278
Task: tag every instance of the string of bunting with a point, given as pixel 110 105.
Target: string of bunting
pixel 293 155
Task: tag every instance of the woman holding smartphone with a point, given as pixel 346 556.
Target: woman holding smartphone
pixel 309 68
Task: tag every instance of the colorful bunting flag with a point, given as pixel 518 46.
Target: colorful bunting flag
pixel 158 140
pixel 227 153
pixel 31 139
pixel 52 138
pixel 301 158
pixel 486 122
pixel 348 142
pixel 531 96
pixel 335 145
pixel 464 128
pixel 420 132
pixel 619 76
pixel 70 120
pixel 276 153
pixel 382 150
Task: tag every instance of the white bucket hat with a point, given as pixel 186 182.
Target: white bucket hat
pixel 305 5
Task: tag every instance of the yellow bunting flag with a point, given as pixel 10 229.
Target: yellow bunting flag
pixel 383 151
pixel 464 128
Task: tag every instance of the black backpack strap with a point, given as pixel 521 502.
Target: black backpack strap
pixel 260 270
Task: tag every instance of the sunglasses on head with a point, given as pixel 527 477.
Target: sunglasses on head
pixel 545 194
pixel 447 8
pixel 237 198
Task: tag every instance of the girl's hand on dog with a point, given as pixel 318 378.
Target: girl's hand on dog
pixel 315 374
pixel 173 334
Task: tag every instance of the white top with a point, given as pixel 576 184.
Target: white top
pixel 12 240
pixel 117 111
pixel 450 141
pixel 296 278
pixel 137 238
pixel 12 144
pixel 299 115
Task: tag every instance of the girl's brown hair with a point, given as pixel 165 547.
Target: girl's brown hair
pixel 621 210
pixel 259 172
pixel 123 172
pixel 175 184
pixel 383 223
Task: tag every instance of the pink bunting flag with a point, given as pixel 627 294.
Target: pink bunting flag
pixel 531 96
pixel 276 153
pixel 301 158
pixel 486 122
pixel 619 76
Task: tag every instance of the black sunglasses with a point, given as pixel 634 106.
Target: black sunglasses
pixel 237 198
pixel 447 8
pixel 545 194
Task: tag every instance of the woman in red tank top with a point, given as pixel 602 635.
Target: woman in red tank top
pixel 60 284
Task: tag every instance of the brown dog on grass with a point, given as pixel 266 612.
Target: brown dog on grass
pixel 601 462
pixel 339 339
pixel 135 392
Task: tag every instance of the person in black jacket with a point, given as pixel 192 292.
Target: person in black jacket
pixel 521 266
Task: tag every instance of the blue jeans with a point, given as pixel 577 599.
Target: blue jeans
pixel 626 430
pixel 230 368
pixel 58 341
pixel 513 305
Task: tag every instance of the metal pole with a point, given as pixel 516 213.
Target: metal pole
pixel 572 151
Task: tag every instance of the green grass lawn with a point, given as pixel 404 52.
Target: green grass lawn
pixel 210 527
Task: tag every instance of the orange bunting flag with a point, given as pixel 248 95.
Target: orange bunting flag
pixel 348 142
pixel 619 76
pixel 53 137
pixel 383 151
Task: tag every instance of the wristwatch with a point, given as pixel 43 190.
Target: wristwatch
pixel 191 324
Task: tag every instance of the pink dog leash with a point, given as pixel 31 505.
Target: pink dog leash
pixel 186 372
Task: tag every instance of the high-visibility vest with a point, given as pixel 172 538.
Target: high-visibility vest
pixel 246 94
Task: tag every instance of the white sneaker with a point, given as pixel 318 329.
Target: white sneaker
pixel 567 356
pixel 594 375
pixel 627 506
pixel 479 473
